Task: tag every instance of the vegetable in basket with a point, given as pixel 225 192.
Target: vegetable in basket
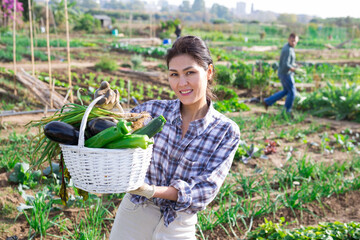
pixel 61 132
pixel 99 124
pixel 108 135
pixel 153 127
pixel 130 141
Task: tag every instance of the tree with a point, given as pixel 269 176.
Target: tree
pixel 220 11
pixel 198 6
pixel 7 10
pixel 185 6
pixel 287 18
pixel 59 13
pixel 87 23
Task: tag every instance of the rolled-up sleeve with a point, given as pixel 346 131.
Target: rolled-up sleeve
pixel 196 194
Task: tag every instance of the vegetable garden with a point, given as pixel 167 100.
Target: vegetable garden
pixel 292 178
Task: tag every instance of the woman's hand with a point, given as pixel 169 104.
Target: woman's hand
pixel 111 97
pixel 145 190
pixel 150 191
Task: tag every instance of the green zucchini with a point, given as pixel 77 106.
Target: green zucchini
pixel 153 127
pixel 130 141
pixel 108 135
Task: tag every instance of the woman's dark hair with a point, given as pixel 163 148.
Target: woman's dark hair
pixel 293 35
pixel 197 49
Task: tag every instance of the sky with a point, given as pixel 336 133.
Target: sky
pixel 319 8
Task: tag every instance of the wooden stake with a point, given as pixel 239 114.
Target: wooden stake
pixel 68 52
pixel 31 40
pixel 150 25
pixel 36 29
pixel 49 55
pixel 56 35
pixel 14 47
pixel 130 23
pixel 128 103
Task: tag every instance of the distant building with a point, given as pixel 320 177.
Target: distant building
pixel 240 9
pixel 104 20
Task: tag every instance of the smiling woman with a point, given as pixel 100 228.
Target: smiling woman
pixel 191 155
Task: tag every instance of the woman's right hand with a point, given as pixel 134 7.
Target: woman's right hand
pixel 111 97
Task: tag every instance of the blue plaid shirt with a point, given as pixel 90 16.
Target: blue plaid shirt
pixel 196 165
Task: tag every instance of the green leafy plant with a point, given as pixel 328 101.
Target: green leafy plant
pixel 277 231
pixel 37 211
pixel 87 23
pixel 332 101
pixel 223 92
pixel 106 64
pixel 231 105
pixel 224 75
pixel 136 61
pixel 22 174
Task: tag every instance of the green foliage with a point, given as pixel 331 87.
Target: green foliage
pixel 22 174
pixel 136 61
pixel 250 76
pixel 219 21
pixel 332 101
pixel 335 231
pixel 38 218
pixel 167 28
pixel 90 226
pixel 87 23
pixel 224 75
pixel 16 148
pixel 106 64
pixel 158 51
pixel 223 92
pixel 231 105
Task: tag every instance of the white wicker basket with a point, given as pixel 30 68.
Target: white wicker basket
pixel 100 170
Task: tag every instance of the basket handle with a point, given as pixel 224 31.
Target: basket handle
pixel 84 121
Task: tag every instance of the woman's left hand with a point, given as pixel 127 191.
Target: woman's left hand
pixel 145 190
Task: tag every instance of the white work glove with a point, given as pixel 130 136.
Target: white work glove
pixel 111 97
pixel 145 190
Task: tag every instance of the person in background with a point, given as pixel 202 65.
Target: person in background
pixel 178 31
pixel 286 71
pixel 191 155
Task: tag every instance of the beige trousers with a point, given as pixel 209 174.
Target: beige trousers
pixel 145 222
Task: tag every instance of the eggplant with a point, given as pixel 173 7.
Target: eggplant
pixel 61 132
pixel 99 124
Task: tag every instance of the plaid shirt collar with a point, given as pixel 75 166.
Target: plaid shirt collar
pixel 200 124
